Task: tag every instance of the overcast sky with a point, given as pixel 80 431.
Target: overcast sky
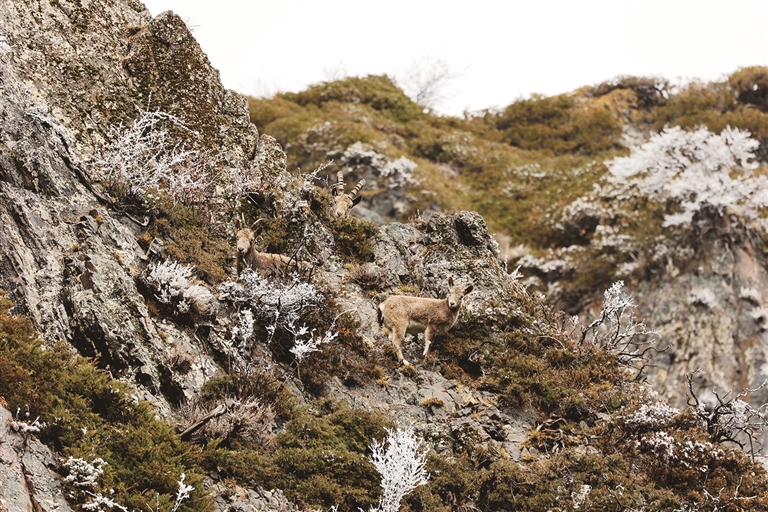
pixel 500 51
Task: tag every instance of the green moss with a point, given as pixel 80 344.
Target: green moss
pixel 191 239
pixel 558 125
pixel 376 91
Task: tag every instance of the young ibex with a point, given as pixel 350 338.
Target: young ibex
pixel 343 203
pixel 249 257
pixel 403 315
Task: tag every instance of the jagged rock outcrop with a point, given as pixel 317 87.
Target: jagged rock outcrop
pixel 28 478
pixel 69 72
pixel 424 255
pixel 240 499
pixel 714 318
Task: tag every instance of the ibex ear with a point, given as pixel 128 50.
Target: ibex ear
pixel 334 190
pixel 450 281
pixel 469 289
pixel 357 200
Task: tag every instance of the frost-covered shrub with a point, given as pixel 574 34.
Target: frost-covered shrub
pixel 651 416
pixel 25 427
pixel 703 296
pixel 141 158
pixel 401 466
pixel 83 473
pixel 173 283
pixel 279 305
pixel 617 330
pixel 170 279
pixel 691 454
pixel 730 418
pixel 84 478
pixel 307 341
pixel 696 171
pixel 272 299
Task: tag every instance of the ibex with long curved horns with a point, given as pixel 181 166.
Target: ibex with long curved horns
pixel 343 203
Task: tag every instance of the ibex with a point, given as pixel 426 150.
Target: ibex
pixel 343 203
pixel 249 257
pixel 403 315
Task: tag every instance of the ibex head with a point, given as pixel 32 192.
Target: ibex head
pixel 245 236
pixel 343 203
pixel 456 293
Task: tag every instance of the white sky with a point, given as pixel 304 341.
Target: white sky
pixel 503 49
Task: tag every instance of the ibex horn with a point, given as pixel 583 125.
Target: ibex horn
pixel 357 189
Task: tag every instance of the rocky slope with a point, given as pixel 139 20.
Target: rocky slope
pixel 538 171
pixel 195 375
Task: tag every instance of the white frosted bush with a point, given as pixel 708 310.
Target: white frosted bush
pixel 656 415
pixel 83 473
pixel 169 279
pixel 141 158
pixel 617 330
pixel 278 305
pixel 696 170
pixel 401 465
pixel 704 296
pixel 173 283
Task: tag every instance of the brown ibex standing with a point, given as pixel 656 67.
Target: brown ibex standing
pixel 249 257
pixel 343 203
pixel 403 315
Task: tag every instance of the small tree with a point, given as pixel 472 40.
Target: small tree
pixel 425 81
pixel 730 418
pixel 617 330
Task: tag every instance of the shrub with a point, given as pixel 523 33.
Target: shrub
pixel 141 159
pixel 692 172
pixel 557 124
pixel 354 238
pixel 379 92
pixel 88 416
pixel 319 459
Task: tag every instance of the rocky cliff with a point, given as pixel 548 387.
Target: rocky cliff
pixel 194 372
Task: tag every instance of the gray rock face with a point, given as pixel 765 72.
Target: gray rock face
pixel 424 255
pixel 715 319
pixel 448 415
pixel 69 72
pixel 240 499
pixel 28 481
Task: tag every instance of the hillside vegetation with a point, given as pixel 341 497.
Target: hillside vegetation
pixel 521 167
